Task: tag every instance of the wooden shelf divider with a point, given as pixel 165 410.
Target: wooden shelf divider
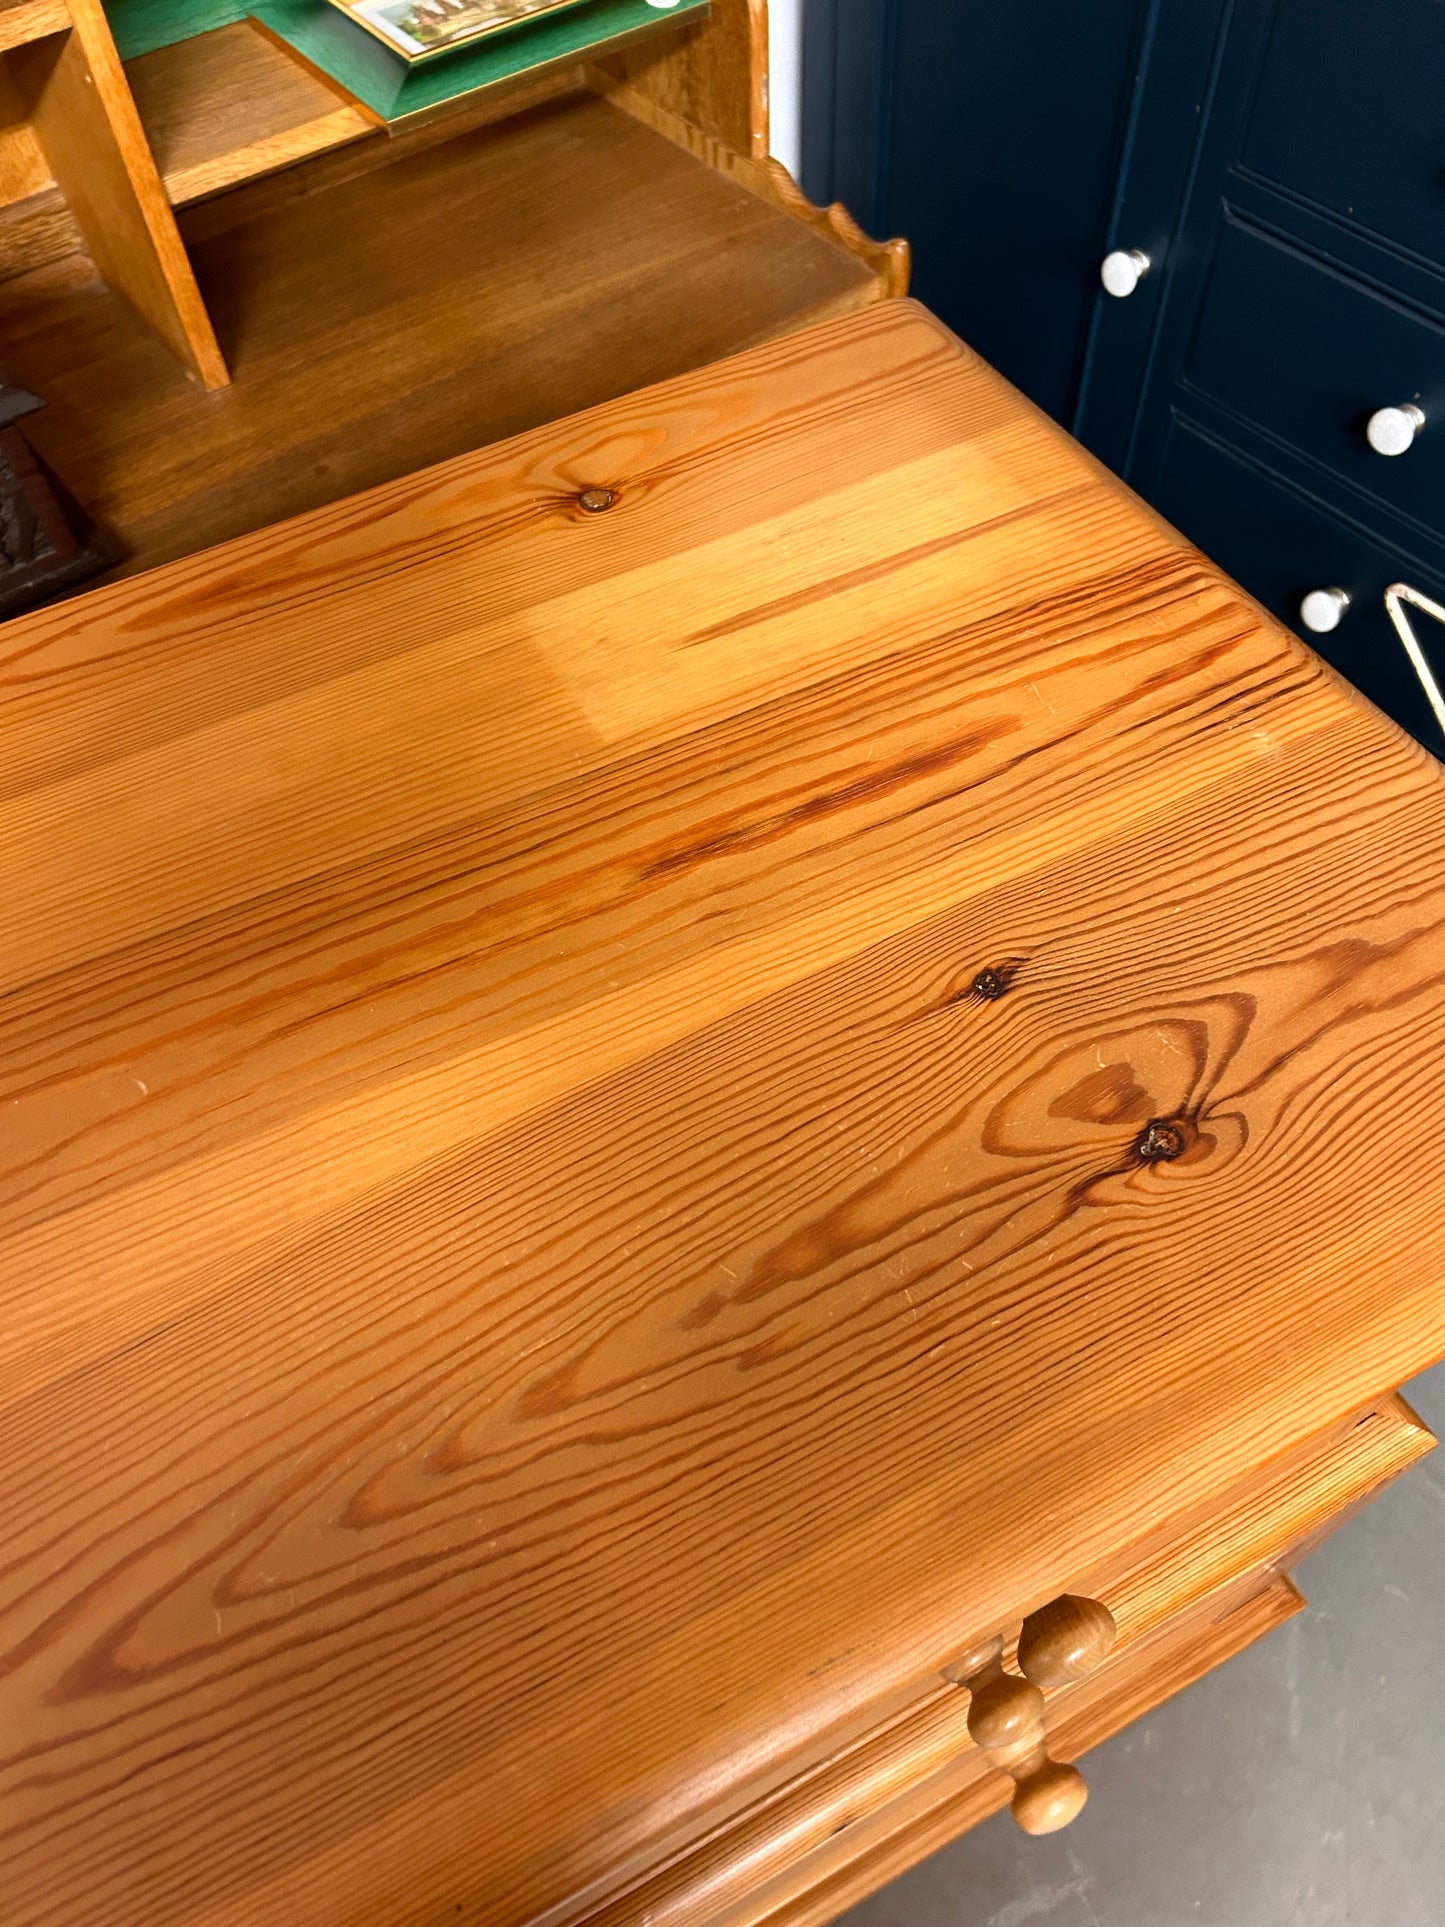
pixel 228 105
pixel 22 21
pixel 472 289
pixel 75 97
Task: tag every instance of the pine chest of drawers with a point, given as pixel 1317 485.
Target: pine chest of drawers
pixel 656 1085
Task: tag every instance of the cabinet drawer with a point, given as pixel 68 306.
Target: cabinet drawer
pixel 864 1858
pixel 1347 114
pixel 1185 1596
pixel 1281 543
pixel 1309 354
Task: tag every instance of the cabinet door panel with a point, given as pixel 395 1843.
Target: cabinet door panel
pixel 1308 353
pixel 1000 154
pixel 1348 115
pixel 1281 543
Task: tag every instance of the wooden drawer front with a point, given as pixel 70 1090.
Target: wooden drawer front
pixel 1185 1597
pixel 1284 543
pixel 1346 115
pixel 1308 355
pixel 936 1811
pixel 1262 1526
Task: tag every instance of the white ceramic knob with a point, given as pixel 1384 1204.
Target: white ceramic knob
pixel 1323 610
pixel 1123 270
pixel 1390 431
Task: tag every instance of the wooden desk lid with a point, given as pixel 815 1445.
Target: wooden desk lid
pixel 589 1117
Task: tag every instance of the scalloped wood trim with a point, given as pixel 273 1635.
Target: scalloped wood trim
pixel 889 261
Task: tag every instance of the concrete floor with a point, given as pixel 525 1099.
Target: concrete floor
pixel 1302 1785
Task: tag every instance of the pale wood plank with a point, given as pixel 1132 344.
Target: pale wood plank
pixel 24 20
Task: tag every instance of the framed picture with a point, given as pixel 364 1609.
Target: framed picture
pixel 422 29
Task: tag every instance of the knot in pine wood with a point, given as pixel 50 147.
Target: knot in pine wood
pixel 994 981
pixel 1161 1141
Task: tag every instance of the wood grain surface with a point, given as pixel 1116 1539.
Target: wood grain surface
pixel 24 170
pixel 713 75
pixel 36 231
pixel 25 20
pixel 572 1216
pixel 378 319
pixel 224 106
pixel 888 261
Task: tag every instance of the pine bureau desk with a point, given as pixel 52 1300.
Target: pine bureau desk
pixel 657 1084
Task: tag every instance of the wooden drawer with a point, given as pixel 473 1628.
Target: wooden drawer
pixel 1185 1598
pixel 1268 344
pixel 1281 543
pixel 958 1796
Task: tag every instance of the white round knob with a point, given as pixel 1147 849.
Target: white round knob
pixel 1323 610
pixel 1123 270
pixel 1391 431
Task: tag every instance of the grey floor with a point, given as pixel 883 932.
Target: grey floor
pixel 1302 1785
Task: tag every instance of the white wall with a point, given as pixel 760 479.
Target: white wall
pixel 785 59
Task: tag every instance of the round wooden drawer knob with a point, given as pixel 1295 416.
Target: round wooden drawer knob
pixel 1006 1712
pixel 1050 1798
pixel 1062 1642
pixel 1066 1640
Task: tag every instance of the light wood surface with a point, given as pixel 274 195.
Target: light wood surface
pixel 573 1222
pixel 26 20
pixel 714 75
pixel 80 107
pixel 225 106
pixel 556 260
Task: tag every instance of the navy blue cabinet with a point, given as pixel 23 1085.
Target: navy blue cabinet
pixel 913 109
pixel 1281 163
